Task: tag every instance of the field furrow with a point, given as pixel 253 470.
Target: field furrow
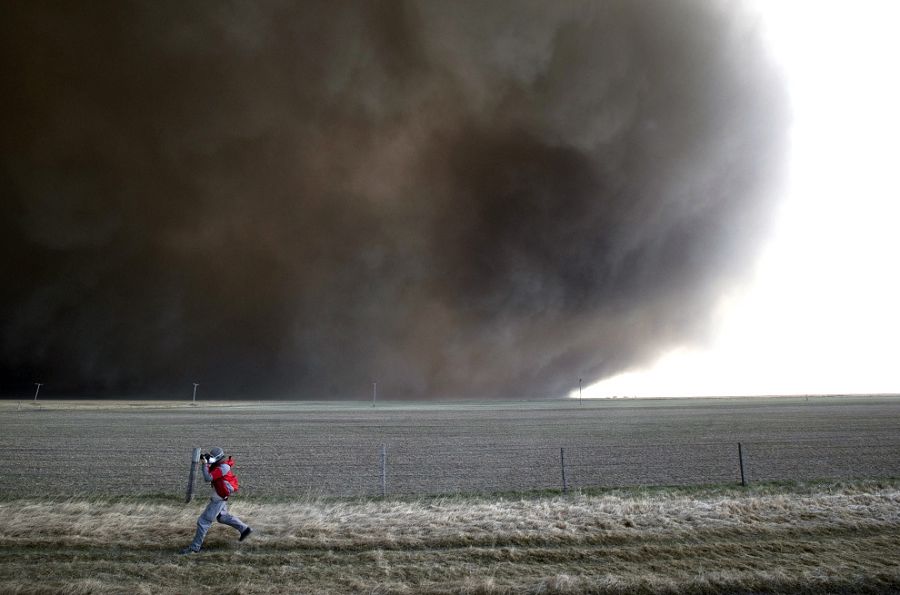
pixel 312 449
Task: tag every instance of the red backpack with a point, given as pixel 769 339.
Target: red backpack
pixel 220 480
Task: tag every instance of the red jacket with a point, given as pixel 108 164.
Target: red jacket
pixel 224 481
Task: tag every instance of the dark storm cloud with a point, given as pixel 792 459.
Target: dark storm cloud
pixel 453 198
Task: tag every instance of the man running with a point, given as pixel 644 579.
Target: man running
pixel 217 471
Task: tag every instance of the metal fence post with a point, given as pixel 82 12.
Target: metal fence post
pixel 741 462
pixel 383 471
pixel 195 462
pixel 562 465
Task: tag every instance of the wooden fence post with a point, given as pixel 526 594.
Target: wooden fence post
pixel 562 466
pixel 741 462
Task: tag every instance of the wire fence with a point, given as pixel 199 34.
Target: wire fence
pixel 405 470
pixel 410 468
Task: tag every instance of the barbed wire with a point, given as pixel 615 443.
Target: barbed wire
pixel 408 468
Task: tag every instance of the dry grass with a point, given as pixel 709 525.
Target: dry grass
pixel 830 538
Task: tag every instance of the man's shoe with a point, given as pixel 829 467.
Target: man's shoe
pixel 188 550
pixel 245 533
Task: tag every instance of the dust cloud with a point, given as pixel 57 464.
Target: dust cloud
pixel 293 199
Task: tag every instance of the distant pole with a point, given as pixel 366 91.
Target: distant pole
pixel 741 462
pixel 383 471
pixel 579 391
pixel 374 392
pixel 38 389
pixel 194 398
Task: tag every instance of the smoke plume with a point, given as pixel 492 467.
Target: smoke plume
pixel 454 199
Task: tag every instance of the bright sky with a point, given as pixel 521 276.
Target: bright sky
pixel 823 312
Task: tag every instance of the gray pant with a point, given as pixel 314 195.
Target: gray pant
pixel 216 510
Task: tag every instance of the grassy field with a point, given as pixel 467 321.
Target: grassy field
pixel 798 538
pixel 65 448
pixel 91 497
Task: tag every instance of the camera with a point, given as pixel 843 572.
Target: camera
pixel 205 456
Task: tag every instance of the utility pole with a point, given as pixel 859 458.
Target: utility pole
pixel 194 398
pixel 38 389
pixel 374 392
